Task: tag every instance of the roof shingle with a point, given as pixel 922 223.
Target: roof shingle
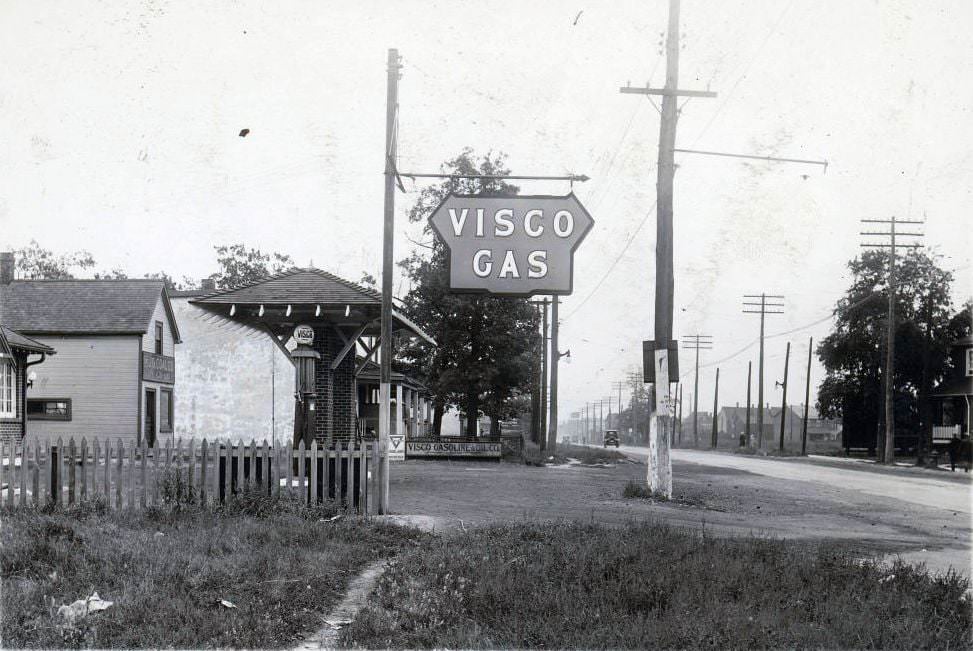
pixel 79 306
pixel 297 286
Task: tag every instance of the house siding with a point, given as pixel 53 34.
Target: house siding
pixel 148 339
pixel 169 350
pixel 99 373
pixel 233 380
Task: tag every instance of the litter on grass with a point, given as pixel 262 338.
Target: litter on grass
pixel 82 608
pixel 227 604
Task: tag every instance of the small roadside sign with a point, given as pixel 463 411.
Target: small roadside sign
pixel 396 447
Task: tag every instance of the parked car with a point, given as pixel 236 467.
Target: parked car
pixel 611 437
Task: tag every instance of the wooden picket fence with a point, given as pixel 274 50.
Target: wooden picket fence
pixel 136 476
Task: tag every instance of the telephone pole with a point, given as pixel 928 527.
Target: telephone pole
pixel 556 355
pixel 542 439
pixel 783 400
pixel 697 342
pixel 716 399
pixel 636 380
pixel 681 389
pixel 886 453
pixel 659 466
pixel 385 360
pixel 751 307
pixel 807 396
pixel 747 434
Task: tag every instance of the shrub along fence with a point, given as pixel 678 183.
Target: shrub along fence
pixel 133 476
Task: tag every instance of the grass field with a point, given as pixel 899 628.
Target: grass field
pixel 167 572
pixel 649 586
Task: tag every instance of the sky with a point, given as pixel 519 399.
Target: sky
pixel 121 123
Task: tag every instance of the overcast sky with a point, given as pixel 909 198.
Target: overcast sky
pixel 121 120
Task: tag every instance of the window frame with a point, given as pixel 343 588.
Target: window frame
pixel 166 428
pixel 67 417
pixel 159 347
pixel 8 368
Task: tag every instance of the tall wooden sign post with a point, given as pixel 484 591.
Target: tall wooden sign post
pixel 660 465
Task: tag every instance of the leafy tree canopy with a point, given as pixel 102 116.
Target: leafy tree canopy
pixel 241 266
pixel 854 353
pixel 36 263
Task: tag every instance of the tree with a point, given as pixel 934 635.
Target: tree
pixel 482 361
pixel 242 266
pixel 853 354
pixel 36 263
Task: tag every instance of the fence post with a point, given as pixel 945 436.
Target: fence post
pixel 131 477
pixel 288 454
pixel 339 472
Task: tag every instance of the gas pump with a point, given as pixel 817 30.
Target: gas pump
pixel 305 395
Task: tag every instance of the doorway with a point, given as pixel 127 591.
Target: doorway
pixel 148 427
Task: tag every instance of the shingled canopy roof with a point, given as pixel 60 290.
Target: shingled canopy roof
pixel 54 307
pixel 298 295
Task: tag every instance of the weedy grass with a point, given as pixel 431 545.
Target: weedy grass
pixel 167 569
pixel 534 585
pixel 533 456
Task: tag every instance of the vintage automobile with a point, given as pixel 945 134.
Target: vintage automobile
pixel 611 437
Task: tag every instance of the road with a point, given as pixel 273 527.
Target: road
pixel 907 513
pixel 952 493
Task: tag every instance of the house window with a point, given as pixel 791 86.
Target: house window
pixel 969 362
pixel 8 390
pixel 158 337
pixel 49 409
pixel 165 410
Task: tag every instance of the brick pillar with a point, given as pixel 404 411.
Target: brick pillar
pixel 334 417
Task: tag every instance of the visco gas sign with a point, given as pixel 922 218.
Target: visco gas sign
pixel 515 246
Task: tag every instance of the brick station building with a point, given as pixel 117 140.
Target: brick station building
pixel 344 317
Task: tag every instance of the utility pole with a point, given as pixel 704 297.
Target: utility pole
pixel 807 396
pixel 535 387
pixel 783 400
pixel 762 311
pixel 385 368
pixel 659 466
pixel 748 438
pixel 636 380
pixel 697 342
pixel 556 355
pixel 681 389
pixel 886 453
pixel 716 399
pixel 544 357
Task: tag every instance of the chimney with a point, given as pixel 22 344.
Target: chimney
pixel 6 267
pixel 208 284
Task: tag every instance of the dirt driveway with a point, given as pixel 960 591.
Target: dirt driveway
pixel 724 500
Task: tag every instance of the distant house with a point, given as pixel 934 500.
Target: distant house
pixel 952 399
pixel 114 374
pixel 15 359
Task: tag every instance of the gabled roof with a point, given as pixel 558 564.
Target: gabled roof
pixel 296 286
pixel 372 371
pixel 12 339
pixel 54 307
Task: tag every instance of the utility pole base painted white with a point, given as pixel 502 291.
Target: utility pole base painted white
pixel 384 425
pixel 659 462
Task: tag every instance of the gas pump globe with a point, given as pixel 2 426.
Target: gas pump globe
pixel 304 394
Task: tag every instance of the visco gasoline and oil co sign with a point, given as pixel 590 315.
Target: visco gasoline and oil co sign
pixel 515 246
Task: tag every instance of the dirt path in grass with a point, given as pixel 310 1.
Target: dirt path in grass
pixel 709 493
pixel 343 614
